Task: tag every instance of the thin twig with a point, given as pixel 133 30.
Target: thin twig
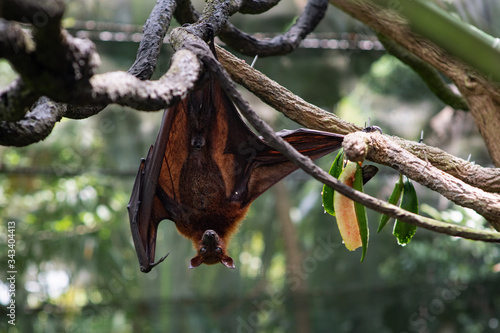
pixel 312 169
pixel 310 116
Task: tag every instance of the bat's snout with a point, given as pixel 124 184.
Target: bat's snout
pixel 210 237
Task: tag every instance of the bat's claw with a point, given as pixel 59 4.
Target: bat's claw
pixel 150 266
pixel 161 259
pixel 370 129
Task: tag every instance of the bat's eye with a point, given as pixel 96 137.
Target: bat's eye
pixel 203 250
pixel 218 250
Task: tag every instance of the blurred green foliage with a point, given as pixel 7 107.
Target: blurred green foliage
pixel 77 269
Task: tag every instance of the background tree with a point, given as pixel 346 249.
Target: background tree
pixel 53 64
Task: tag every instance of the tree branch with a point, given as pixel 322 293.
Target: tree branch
pixel 246 44
pixel 114 87
pixel 308 115
pixel 123 89
pixel 155 30
pixel 256 6
pixel 480 93
pixel 15 100
pixel 99 90
pixel 379 148
pixel 185 12
pixel 312 169
pixel 54 63
pixel 143 68
pixel 214 17
pixel 35 126
pixel 427 73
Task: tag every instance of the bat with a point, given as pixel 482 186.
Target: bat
pixel 203 172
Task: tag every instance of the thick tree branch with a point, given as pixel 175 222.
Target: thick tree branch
pixel 482 96
pixel 214 17
pixel 34 127
pixel 379 148
pixel 15 101
pixel 54 63
pixel 155 30
pixel 143 68
pixel 282 99
pixel 308 115
pixel 312 169
pixel 185 12
pixel 114 87
pixel 486 179
pixel 127 90
pixel 100 90
pixel 256 6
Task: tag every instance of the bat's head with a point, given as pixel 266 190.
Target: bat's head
pixel 211 250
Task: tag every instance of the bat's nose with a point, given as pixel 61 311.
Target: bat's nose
pixel 210 238
pixel 198 142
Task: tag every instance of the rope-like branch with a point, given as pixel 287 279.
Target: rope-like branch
pixel 481 94
pixel 243 42
pixel 185 68
pixel 143 68
pixel 310 116
pixel 35 126
pixel 282 99
pixel 256 6
pixel 114 87
pixel 53 63
pixel 155 30
pixel 185 12
pixel 312 169
pixel 214 17
pixel 15 100
pixel 71 73
pixel 279 45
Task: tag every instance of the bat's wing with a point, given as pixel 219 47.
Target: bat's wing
pixel 153 195
pixel 270 166
pixel 203 149
pixel 250 165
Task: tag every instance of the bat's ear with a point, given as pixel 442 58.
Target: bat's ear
pixel 228 262
pixel 195 262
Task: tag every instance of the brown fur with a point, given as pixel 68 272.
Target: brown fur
pixel 203 172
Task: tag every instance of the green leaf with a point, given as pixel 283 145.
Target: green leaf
pixel 335 171
pixel 403 231
pixel 393 199
pixel 361 211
